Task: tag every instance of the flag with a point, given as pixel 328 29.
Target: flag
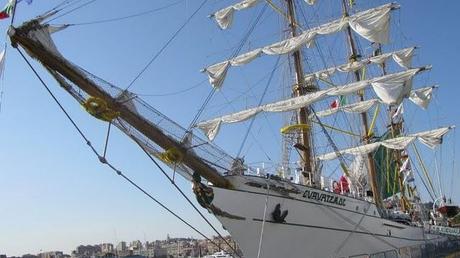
pixel 7 10
pixel 338 102
pixel 335 104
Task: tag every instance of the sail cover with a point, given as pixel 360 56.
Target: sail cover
pixel 430 138
pixel 402 57
pixel 371 25
pixel 391 89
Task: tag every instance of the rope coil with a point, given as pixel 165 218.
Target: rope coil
pixel 99 109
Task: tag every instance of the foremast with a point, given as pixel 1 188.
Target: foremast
pixel 300 88
pixel 354 56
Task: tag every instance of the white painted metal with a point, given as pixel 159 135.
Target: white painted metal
pixel 313 228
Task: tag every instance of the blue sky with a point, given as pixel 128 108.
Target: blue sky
pixel 54 195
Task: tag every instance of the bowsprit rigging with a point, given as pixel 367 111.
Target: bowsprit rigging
pixel 373 207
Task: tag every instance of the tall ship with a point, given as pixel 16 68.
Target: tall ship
pixel 344 186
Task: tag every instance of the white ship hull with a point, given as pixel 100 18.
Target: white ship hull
pixel 319 223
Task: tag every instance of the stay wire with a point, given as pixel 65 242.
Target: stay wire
pixel 128 16
pixel 166 44
pixel 73 10
pixel 260 103
pixel 103 160
pixel 183 194
pixel 234 54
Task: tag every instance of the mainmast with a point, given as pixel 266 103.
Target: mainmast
pixel 299 89
pixel 370 161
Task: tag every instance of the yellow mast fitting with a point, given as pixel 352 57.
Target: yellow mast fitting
pixel 374 119
pixel 98 108
pixel 295 128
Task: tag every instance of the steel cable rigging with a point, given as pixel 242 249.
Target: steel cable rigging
pixel 102 158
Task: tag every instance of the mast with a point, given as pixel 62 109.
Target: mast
pixel 300 89
pixel 370 161
pixel 51 60
pixel 396 129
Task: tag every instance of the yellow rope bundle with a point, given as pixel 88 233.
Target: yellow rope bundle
pixel 171 156
pixel 98 108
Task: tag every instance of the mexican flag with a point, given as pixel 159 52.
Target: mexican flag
pixel 9 8
pixel 340 101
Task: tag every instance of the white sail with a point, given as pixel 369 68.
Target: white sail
pixel 421 97
pixel 388 88
pixel 371 24
pixel 430 138
pixel 358 107
pixel 224 17
pixel 402 57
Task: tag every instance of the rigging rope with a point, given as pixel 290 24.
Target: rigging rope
pixel 128 16
pixel 234 54
pixel 182 193
pixel 260 103
pixel 72 10
pixel 104 161
pixel 174 92
pixel 263 221
pixel 166 44
pixel 343 164
pixel 425 171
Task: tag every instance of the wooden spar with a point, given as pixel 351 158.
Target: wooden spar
pixel 370 160
pixel 299 90
pixel 19 36
pixel 396 131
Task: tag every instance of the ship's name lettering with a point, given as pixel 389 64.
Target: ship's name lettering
pixel 322 197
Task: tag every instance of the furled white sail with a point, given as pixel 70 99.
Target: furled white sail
pixel 211 127
pixel 396 80
pixel 430 138
pixel 370 24
pixel 402 57
pixel 224 17
pixel 421 97
pixel 358 107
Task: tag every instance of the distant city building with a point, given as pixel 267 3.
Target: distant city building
pixel 29 256
pixel 86 251
pixel 121 247
pixel 107 248
pixel 55 254
pixel 135 245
